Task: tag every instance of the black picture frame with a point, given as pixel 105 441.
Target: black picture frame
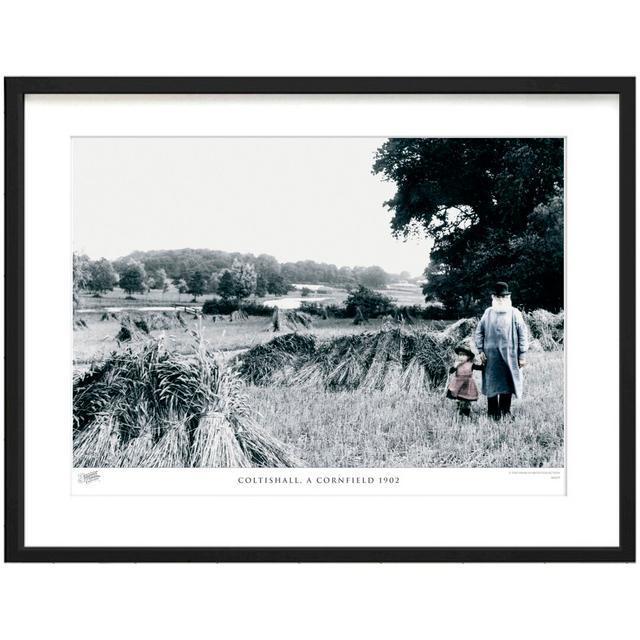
pixel 15 91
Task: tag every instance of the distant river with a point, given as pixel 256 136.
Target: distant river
pixel 290 303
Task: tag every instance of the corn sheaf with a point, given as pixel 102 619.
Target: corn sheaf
pixel 145 406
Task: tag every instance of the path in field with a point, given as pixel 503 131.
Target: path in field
pixel 118 309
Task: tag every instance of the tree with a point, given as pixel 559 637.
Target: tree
pixel 474 198
pixel 158 280
pixel 266 266
pixel 102 276
pixel 81 275
pixel 269 276
pixel 346 276
pixel 372 304
pixel 162 282
pixel 262 285
pixel 81 270
pixel 373 277
pixel 226 286
pixel 212 285
pixel 277 285
pixel 244 279
pixel 239 282
pixel 196 284
pixel 540 251
pixel 182 287
pixel 132 279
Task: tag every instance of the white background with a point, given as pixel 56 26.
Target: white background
pixel 586 516
pixel 332 38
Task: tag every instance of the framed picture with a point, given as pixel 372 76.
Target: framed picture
pixel 320 319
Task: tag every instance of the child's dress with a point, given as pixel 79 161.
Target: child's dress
pixel 462 385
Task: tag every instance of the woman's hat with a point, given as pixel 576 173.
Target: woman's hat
pixel 465 350
pixel 501 290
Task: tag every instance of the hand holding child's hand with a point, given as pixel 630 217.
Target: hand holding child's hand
pixel 521 363
pixel 483 357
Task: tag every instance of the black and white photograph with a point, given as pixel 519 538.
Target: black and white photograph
pixel 318 302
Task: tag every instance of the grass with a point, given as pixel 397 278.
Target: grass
pixel 384 427
pixel 118 298
pixel 420 428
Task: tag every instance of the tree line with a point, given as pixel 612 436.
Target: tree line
pixel 180 263
pixel 230 275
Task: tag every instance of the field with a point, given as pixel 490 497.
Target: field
pixel 393 428
pixel 96 342
pixel 387 427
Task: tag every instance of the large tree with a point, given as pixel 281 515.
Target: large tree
pixel 81 275
pixel 212 284
pixel 277 285
pixel 262 285
pixel 162 281
pixel 226 285
pixel 476 199
pixel 244 278
pixel 239 282
pixel 103 276
pixel 182 287
pixel 372 304
pixel 133 278
pixel 158 280
pixel 373 277
pixel 197 284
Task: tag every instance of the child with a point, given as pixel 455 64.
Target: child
pixel 462 386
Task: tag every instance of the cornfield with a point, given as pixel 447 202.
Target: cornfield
pixel 546 329
pixel 238 315
pixel 395 355
pixel 263 364
pixel 290 320
pixel 338 395
pixel 145 406
pixel 79 323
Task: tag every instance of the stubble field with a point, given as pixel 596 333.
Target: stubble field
pixel 374 428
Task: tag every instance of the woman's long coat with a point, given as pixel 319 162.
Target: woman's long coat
pixel 504 341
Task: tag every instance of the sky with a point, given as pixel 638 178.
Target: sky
pixel 293 198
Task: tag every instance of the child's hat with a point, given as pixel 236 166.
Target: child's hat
pixel 464 349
